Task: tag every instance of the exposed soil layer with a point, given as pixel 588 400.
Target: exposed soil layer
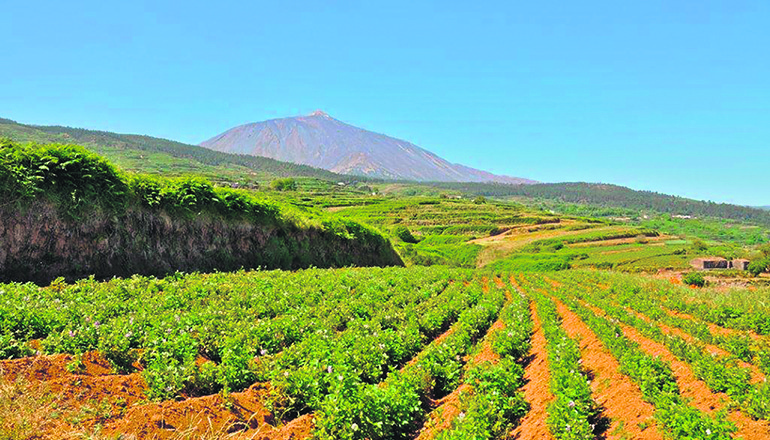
pixel 40 244
pixel 694 389
pixel 537 390
pixel 122 411
pixel 241 413
pixel 620 397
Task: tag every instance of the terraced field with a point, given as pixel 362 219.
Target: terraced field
pixel 382 354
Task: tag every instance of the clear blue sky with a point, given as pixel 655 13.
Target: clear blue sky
pixel 670 96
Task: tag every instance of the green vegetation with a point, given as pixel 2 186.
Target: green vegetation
pixel 653 376
pixel 695 279
pixel 371 353
pixel 135 211
pixel 285 184
pixel 151 155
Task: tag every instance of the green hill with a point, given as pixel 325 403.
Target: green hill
pixel 614 196
pixel 152 155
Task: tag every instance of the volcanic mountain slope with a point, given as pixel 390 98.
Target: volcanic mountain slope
pixel 321 141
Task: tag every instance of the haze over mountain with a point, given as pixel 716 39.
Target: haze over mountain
pixel 321 141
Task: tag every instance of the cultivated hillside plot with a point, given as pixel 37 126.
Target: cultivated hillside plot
pixel 382 353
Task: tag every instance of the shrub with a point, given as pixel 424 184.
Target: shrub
pixel 759 266
pixel 480 200
pixel 694 279
pixel 285 184
pixel 699 245
pixel 404 234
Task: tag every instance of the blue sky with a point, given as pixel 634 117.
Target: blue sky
pixel 669 96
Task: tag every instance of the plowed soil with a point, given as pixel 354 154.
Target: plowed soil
pixel 448 408
pixel 56 404
pixel 620 397
pixel 537 389
pixel 756 374
pixel 694 389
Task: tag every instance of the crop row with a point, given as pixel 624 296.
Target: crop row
pixel 738 309
pixel 573 413
pixel 167 323
pixel 743 346
pixel 494 404
pixel 652 375
pixel 304 374
pixel 354 409
pixel 719 373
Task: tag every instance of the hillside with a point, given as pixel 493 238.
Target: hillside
pixel 66 212
pixel 321 141
pixel 148 154
pixel 614 196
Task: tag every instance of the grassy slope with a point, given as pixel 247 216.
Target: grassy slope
pixel 160 156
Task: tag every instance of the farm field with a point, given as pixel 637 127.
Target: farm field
pixel 420 352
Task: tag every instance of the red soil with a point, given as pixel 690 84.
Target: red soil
pixel 537 389
pixel 448 408
pixel 694 389
pixel 715 328
pixel 243 415
pixel 756 374
pixel 42 368
pixel 620 397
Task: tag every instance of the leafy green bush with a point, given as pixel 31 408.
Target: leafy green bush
pixel 70 175
pixel 759 266
pixel 284 184
pixel 694 279
pixel 404 234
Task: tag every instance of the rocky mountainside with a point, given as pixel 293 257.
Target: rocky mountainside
pixel 321 141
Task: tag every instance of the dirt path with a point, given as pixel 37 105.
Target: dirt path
pixel 537 390
pixel 694 389
pixel 620 397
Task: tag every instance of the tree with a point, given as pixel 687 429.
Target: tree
pixel 285 184
pixel 480 200
pixel 699 245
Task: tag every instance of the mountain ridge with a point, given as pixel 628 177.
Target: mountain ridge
pixel 321 141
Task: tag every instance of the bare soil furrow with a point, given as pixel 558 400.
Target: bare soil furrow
pixel 537 390
pixel 620 397
pixel 693 388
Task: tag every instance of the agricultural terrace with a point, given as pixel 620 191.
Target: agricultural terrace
pixel 383 353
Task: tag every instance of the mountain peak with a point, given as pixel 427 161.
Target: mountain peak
pixel 320 141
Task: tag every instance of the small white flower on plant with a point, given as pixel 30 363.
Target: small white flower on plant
pixel 354 427
pixel 329 369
